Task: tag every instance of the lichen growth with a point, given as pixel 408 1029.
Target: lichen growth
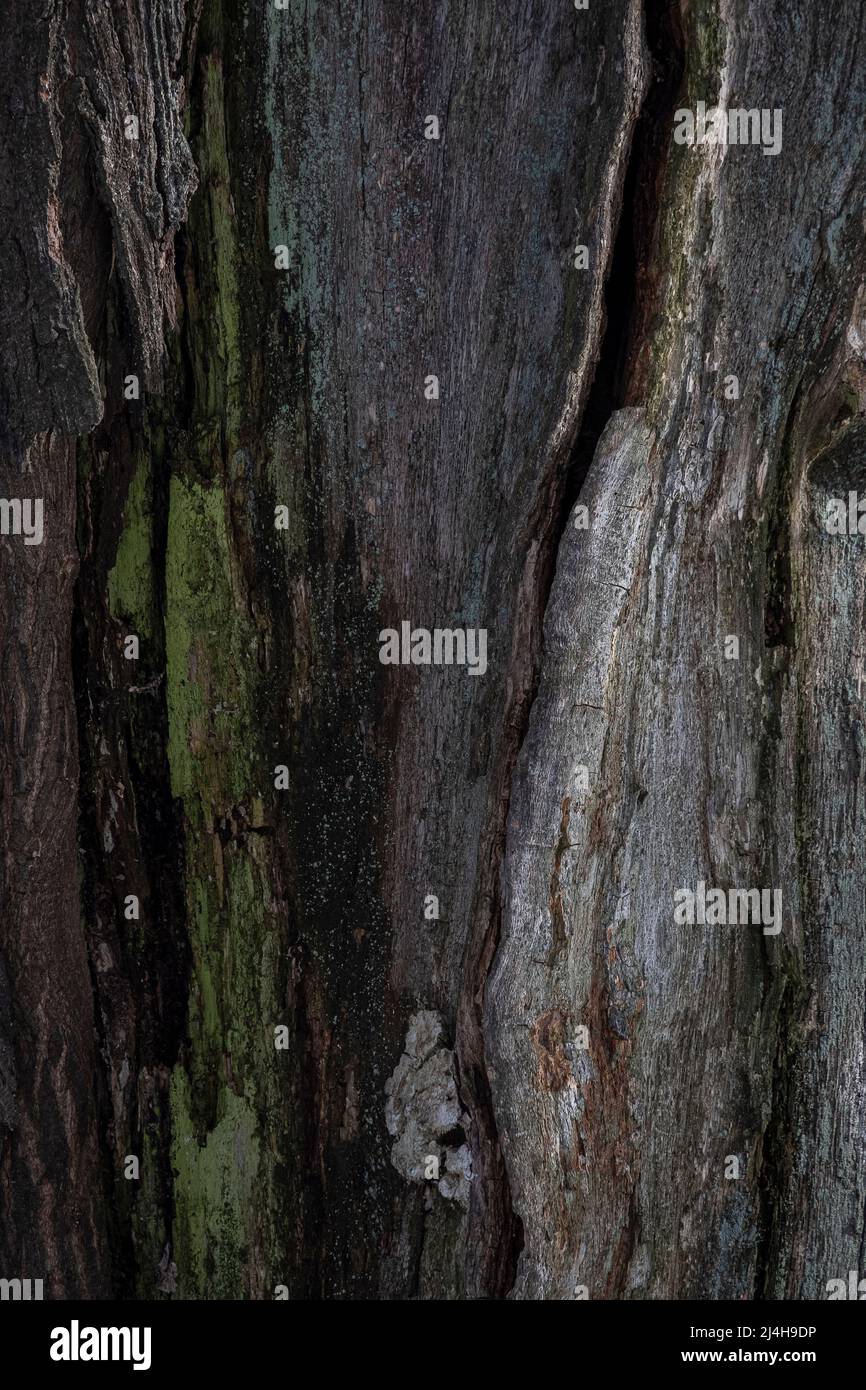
pixel 218 769
pixel 424 1115
pixel 210 651
pixel 214 1194
pixel 131 593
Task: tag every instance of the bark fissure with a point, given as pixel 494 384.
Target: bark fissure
pixel 629 285
pixel 633 278
pixel 629 290
pixel 563 492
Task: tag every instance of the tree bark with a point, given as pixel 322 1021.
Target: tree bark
pixel 374 970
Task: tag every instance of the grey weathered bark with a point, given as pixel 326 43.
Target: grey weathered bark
pixel 302 906
pixel 707 1041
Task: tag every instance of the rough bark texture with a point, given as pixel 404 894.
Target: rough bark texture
pixel 710 1040
pixel 570 1164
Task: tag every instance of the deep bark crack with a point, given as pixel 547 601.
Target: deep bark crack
pixel 631 286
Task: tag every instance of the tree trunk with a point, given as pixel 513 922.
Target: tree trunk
pixel 332 978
